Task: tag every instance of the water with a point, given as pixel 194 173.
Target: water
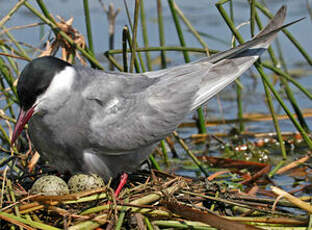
pixel 205 18
pixel 203 15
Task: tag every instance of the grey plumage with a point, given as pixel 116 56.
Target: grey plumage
pixel 110 122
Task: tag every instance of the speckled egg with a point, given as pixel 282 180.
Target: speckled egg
pixel 83 182
pixel 49 186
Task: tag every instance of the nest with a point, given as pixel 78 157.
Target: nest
pixel 154 200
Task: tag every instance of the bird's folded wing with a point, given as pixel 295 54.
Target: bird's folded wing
pixel 133 112
pixel 138 110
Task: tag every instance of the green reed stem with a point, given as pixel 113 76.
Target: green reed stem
pixel 88 25
pixel 275 120
pixel 161 34
pixel 309 9
pixel 45 11
pixel 260 70
pixel 190 154
pixel 281 102
pixel 13 198
pixel 179 30
pixel 109 54
pixel 125 31
pixel 191 27
pixel 11 61
pixel 269 99
pixel 3 90
pixel 174 224
pixel 11 12
pixel 22 51
pixel 285 75
pixel 238 84
pixel 9 107
pixel 200 114
pixel 286 87
pixel 294 104
pixel 20 220
pixel 281 56
pixel 145 36
pixel 310 216
pixel 276 168
pixel 148 224
pixel 252 17
pixel 134 34
pixel 8 78
pixel 114 62
pixel 291 99
pixel 130 42
pixel 154 162
pixel 164 151
pixel 289 92
pixel 231 9
pixel 240 112
pixel 57 30
pixel 228 21
pixel 121 216
pixel 201 124
pixel 9 101
pixel 5 136
pixel 164 48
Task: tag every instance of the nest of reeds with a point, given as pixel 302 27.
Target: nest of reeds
pixel 151 200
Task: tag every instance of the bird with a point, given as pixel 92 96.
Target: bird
pixel 82 119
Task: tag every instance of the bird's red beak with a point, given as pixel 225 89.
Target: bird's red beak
pixel 22 120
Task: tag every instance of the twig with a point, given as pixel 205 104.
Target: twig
pixel 12 11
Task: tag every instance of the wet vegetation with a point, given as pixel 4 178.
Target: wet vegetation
pixel 204 180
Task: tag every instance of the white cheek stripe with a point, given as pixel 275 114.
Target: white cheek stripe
pixel 61 82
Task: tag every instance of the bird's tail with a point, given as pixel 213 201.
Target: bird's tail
pixel 230 64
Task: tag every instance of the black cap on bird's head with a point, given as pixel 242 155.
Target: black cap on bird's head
pixel 33 82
